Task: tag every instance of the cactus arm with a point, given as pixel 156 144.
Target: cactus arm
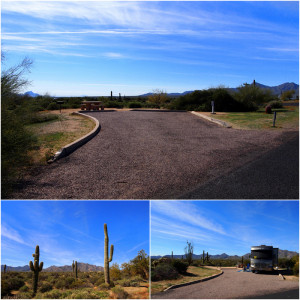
pixel 41 266
pixel 31 266
pixel 111 253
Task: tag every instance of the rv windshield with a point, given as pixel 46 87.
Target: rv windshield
pixel 262 254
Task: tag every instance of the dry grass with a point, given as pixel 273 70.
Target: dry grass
pixel 193 274
pixel 54 135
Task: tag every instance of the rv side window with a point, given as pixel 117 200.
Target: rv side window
pixel 262 254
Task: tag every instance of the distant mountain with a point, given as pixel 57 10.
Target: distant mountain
pixel 276 90
pixel 31 94
pixel 80 266
pixel 281 254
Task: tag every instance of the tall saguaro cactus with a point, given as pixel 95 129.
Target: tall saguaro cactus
pixel 73 266
pixel 35 267
pixel 106 260
pixel 76 269
pixel 203 257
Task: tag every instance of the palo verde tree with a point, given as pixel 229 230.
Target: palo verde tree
pixel 158 97
pixel 16 140
pixel 189 250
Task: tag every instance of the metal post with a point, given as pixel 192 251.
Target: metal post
pixel 213 107
pixel 274 118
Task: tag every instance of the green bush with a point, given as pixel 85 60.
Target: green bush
pixel 45 287
pixel 119 293
pixel 24 288
pixel 276 104
pixel 53 106
pixel 164 271
pixel 180 266
pixel 134 105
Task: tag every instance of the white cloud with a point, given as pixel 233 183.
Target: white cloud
pixel 186 212
pixel 12 234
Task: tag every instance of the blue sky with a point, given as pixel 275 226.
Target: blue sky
pixel 72 230
pixel 94 47
pixel 218 227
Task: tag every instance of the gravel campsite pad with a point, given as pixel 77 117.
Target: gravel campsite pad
pixel 149 155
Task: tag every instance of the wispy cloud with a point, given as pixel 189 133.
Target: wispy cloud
pixel 187 213
pixel 12 234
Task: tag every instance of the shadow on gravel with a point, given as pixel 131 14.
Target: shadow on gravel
pixel 96 111
pixel 161 110
pixel 291 294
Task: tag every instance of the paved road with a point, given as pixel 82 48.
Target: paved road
pixel 236 285
pixel 155 155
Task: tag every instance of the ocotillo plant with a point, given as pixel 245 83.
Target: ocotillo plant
pixel 4 269
pixel 106 260
pixel 73 266
pixel 76 269
pixel 35 267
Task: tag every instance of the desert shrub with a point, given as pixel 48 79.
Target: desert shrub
pixel 276 104
pixel 134 105
pixel 5 288
pixel 104 286
pixel 100 281
pixel 180 266
pixel 40 118
pixel 24 288
pixel 60 284
pixel 164 271
pixel 54 294
pixel 296 269
pixel 45 287
pixel 124 282
pixel 113 104
pixel 53 106
pixel 115 272
pixel 25 295
pixel 69 281
pixel 119 293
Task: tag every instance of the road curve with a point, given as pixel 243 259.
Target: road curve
pixel 236 285
pixel 151 155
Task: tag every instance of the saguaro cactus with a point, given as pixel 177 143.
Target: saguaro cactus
pixel 106 260
pixel 207 257
pixel 172 255
pixel 35 267
pixel 4 269
pixel 76 269
pixel 73 266
pixel 203 257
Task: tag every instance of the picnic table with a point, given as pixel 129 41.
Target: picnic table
pixel 92 105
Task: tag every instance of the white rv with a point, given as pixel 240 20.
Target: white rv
pixel 263 258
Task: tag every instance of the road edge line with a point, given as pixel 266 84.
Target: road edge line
pixel 68 149
pixel 219 122
pixel 192 282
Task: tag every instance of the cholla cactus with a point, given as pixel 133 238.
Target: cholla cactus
pixel 35 267
pixel 106 260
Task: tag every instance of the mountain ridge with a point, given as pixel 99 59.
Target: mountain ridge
pixel 281 254
pixel 83 267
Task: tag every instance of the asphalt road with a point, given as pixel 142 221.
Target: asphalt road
pixel 236 285
pixel 167 155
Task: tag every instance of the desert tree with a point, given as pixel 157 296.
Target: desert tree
pixel 189 250
pixel 158 97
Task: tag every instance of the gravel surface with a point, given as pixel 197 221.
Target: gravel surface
pixel 149 155
pixel 235 285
